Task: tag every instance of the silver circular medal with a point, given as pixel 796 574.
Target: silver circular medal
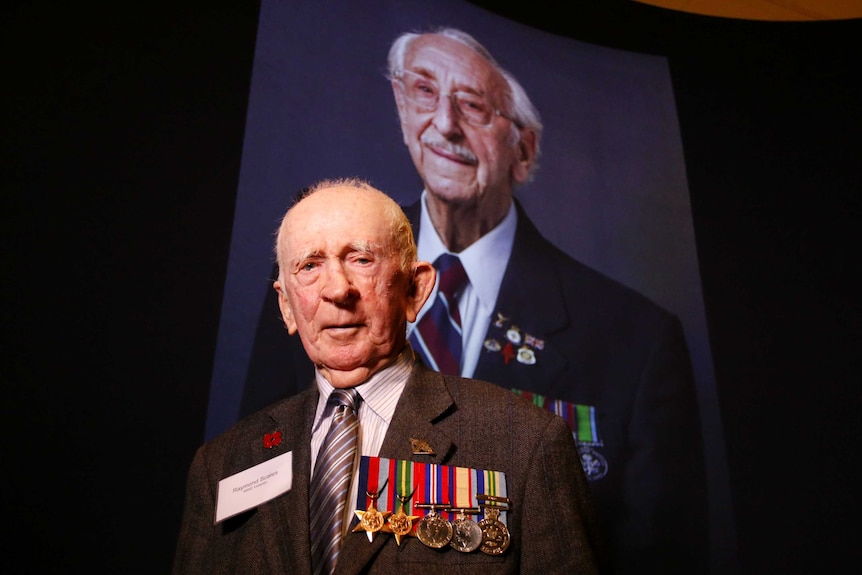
pixel 466 534
pixel 434 530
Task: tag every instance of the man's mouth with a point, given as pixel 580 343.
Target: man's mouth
pixel 453 152
pixel 343 326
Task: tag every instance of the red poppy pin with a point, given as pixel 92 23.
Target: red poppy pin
pixel 271 440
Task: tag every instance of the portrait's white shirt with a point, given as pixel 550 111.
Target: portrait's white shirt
pixel 485 263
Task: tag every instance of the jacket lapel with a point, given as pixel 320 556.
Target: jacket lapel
pixel 530 299
pixel 287 519
pixel 422 404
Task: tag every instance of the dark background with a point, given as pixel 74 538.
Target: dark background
pixel 121 146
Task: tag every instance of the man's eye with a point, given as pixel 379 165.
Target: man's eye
pixel 309 266
pixel 472 104
pixel 425 89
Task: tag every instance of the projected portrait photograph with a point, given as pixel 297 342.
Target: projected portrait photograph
pixel 545 179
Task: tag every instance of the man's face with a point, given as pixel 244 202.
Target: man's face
pixel 343 290
pixel 458 161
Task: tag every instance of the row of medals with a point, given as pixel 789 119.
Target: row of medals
pixel 490 535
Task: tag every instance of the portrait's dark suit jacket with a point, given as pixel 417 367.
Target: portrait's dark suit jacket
pixel 468 423
pixel 602 345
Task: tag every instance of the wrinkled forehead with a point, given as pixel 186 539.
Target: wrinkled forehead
pixel 333 220
pixel 452 65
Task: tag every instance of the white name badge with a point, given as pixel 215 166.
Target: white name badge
pixel 254 486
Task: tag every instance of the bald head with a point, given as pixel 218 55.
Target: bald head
pixel 348 278
pixel 391 212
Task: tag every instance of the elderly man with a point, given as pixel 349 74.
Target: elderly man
pixel 531 318
pixel 348 284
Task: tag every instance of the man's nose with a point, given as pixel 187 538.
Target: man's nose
pixel 446 116
pixel 338 287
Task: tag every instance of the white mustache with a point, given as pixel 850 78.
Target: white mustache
pixel 462 152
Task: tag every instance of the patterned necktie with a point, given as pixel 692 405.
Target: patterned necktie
pixel 437 336
pixel 331 481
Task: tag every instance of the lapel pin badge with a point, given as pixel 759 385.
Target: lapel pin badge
pixel 421 447
pixel 271 440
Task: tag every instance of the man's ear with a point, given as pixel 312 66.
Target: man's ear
pixel 527 147
pixel 421 286
pixel 284 306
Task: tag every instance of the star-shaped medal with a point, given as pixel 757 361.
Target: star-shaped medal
pixel 400 524
pixel 371 520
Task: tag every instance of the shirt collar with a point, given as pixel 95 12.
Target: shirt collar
pixel 380 392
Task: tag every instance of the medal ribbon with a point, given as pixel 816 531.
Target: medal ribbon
pixel 370 478
pixel 580 418
pixel 402 484
pixel 444 484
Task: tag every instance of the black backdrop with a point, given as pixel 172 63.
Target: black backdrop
pixel 122 137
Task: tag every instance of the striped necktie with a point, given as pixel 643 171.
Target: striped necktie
pixel 331 481
pixel 437 336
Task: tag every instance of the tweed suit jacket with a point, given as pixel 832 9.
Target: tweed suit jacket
pixel 468 423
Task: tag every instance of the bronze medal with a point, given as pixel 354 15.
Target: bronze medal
pixel 434 530
pixel 466 533
pixel 371 520
pixel 400 524
pixel 495 534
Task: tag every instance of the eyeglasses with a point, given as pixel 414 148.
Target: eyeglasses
pixel 425 95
